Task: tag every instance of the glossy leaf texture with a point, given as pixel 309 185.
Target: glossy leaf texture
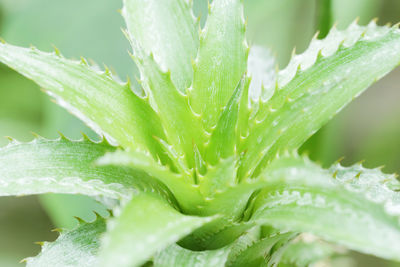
pixel 77 247
pixel 315 86
pixel 108 107
pixel 67 167
pixel 221 60
pixel 186 193
pixel 341 206
pixel 169 31
pixel 249 249
pixel 144 226
pixel 181 125
pixel 308 251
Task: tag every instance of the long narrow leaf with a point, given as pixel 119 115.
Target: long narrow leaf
pixel 67 167
pixel 168 30
pixel 221 61
pixel 77 247
pixel 315 86
pixel 348 208
pixel 108 107
pixel 181 186
pixel 146 225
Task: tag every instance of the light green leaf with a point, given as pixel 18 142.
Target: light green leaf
pixel 265 252
pixel 176 256
pixel 78 247
pixel 315 86
pixel 66 167
pixel 218 177
pixel 168 30
pixel 108 107
pixel 222 143
pixel 303 253
pixel 247 250
pixel 182 126
pixel 343 207
pixel 221 61
pixel 180 185
pixel 146 225
pixel 262 71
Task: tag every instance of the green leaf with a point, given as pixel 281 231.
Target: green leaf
pixel 108 107
pixel 265 252
pixel 262 70
pixel 247 250
pixel 303 252
pixel 181 125
pixel 358 211
pixel 77 247
pixel 66 167
pixel 176 256
pixel 315 86
pixel 168 30
pixel 221 61
pixel 145 225
pixel 186 193
pixel 222 143
pixel 218 177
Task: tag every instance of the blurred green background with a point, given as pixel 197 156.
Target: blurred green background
pixel 367 129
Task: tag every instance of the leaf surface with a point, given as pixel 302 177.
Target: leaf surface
pixel 222 143
pixel 66 167
pixel 181 186
pixel 315 86
pixel 358 211
pixel 108 107
pixel 221 61
pixel 168 30
pixel 145 225
pixel 181 125
pixel 247 250
pixel 77 247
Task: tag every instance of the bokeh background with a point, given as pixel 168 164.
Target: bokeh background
pixel 368 129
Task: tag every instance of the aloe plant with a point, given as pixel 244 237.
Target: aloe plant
pixel 199 163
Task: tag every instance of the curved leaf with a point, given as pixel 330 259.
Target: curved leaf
pixel 176 256
pixel 78 247
pixel 221 60
pixel 168 30
pixel 222 143
pixel 181 186
pixel 108 107
pixel 351 211
pixel 315 86
pixel 303 253
pixel 181 125
pixel 247 250
pixel 66 167
pixel 145 225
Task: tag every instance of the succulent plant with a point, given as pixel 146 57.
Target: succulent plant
pixel 199 162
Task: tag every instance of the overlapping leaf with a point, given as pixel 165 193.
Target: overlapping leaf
pixel 145 225
pixel 180 185
pixel 110 108
pixel 303 197
pixel 64 166
pixel 168 30
pixel 316 85
pixel 77 247
pixel 221 60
